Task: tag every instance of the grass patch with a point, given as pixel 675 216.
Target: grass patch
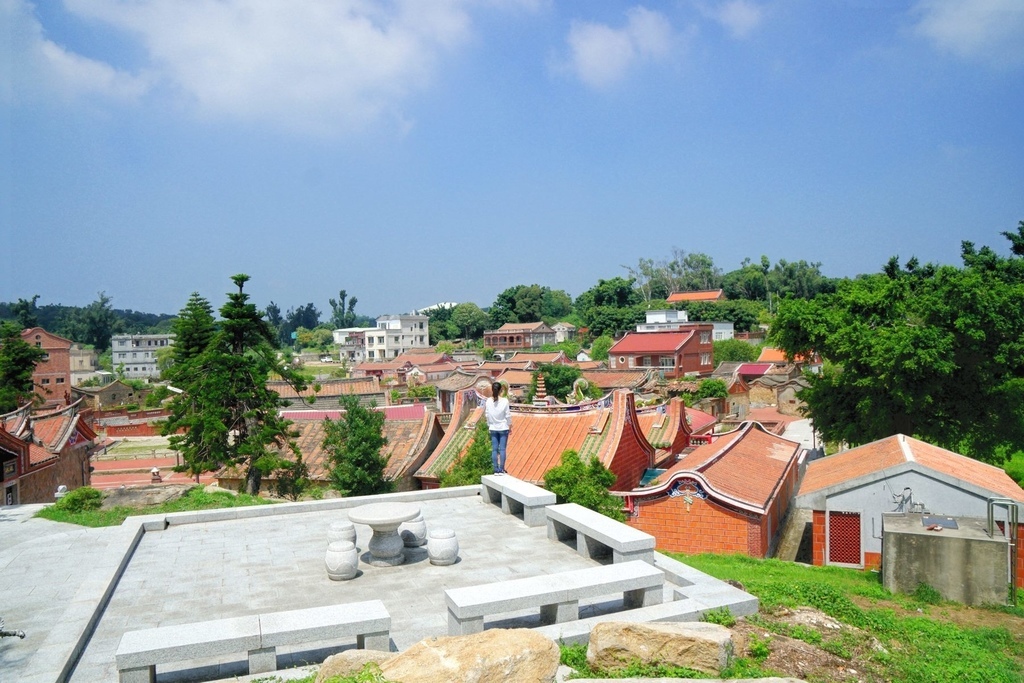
pixel 196 498
pixel 914 648
pixel 575 657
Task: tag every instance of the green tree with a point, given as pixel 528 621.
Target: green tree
pixel 99 322
pixel 475 462
pixel 292 479
pixel 353 446
pixel 933 352
pixel 733 350
pixel 558 381
pixel 599 347
pixel 711 387
pixel 229 416
pixel 586 484
pixel 26 312
pixel 343 315
pixel 18 361
pixel 610 306
pixel 194 329
pixel 470 320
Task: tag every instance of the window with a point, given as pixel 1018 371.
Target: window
pixel 60 380
pixel 134 355
pixel 705 359
pixel 121 343
pixel 666 362
pixel 369 354
pixel 645 361
pixel 705 337
pixel 380 340
pixel 46 380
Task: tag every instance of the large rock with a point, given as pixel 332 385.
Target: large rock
pixel 142 496
pixel 696 645
pixel 507 655
pixel 350 662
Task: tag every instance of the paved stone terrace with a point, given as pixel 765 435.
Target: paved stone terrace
pixel 53 577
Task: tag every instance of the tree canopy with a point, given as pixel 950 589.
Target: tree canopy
pixel 226 414
pixel 18 361
pixel 930 351
pixel 584 483
pixel 353 446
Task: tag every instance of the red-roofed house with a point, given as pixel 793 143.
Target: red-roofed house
pixel 674 354
pixel 848 492
pixel 608 429
pixel 696 295
pixel 38 453
pixel 729 496
pixel 52 376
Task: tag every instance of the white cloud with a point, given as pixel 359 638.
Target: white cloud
pixel 601 56
pixel 34 67
pixel 322 65
pixel 739 17
pixel 982 30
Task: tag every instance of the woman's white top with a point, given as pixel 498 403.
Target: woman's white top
pixel 499 417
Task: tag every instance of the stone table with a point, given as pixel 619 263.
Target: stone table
pixel 384 518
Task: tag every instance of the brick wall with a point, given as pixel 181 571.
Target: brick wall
pixel 703 526
pixel 71 470
pixel 628 463
pixel 818 537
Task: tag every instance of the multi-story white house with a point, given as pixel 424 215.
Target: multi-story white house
pixel 670 320
pixel 351 343
pixel 396 334
pixel 137 353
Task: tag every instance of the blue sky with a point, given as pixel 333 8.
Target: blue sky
pixel 412 152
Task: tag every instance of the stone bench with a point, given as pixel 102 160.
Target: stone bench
pixel 139 652
pixel 598 535
pixel 557 595
pixel 516 497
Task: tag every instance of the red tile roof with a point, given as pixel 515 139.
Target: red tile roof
pixel 520 327
pixel 876 457
pixel 744 467
pixel 700 421
pixel 651 342
pixel 329 387
pixel 699 295
pixel 538 358
pixel 753 369
pixel 618 379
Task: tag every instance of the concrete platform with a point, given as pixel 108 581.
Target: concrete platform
pixel 73 589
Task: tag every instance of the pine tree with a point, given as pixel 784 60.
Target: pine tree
pixel 226 412
pixel 193 329
pixel 353 445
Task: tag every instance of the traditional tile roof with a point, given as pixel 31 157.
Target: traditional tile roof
pixel 589 364
pixel 700 421
pixel 743 468
pixel 651 342
pixel 521 327
pixel 607 380
pixel 516 378
pixel 697 295
pixel 754 369
pixel 872 460
pixel 328 387
pixel 419 358
pixel 461 379
pixel 538 358
pixel 726 369
pixel 493 366
pixel 772 355
pixel 665 426
pixel 411 411
pixel 49 433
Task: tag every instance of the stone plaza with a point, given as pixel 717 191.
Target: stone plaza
pixel 76 591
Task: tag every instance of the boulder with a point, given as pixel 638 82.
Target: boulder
pixel 696 645
pixel 350 662
pixel 507 655
pixel 142 496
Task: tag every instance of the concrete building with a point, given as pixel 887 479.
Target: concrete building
pixel 351 343
pixel 138 353
pixel 397 334
pixel 669 320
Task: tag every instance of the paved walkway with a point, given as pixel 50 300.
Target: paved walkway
pixel 54 578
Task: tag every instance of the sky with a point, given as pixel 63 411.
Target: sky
pixel 412 152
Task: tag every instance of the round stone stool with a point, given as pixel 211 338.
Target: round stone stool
pixel 413 532
pixel 342 561
pixel 442 547
pixel 341 531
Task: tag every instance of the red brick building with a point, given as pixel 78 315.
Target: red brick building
pixel 674 354
pixel 52 376
pixel 729 496
pixel 519 336
pixel 38 453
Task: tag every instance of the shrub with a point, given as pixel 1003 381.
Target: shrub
pixel 721 616
pixel 586 484
pixel 80 500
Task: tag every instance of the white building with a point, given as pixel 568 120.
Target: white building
pixel 351 343
pixel 396 334
pixel 137 353
pixel 664 321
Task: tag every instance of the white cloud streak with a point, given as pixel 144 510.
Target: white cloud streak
pixel 739 17
pixel 34 68
pixel 987 31
pixel 601 56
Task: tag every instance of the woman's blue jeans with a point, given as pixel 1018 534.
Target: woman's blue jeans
pixel 498 442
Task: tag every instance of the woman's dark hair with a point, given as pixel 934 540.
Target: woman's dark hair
pixel 495 390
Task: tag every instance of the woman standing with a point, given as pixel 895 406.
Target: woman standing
pixel 499 423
